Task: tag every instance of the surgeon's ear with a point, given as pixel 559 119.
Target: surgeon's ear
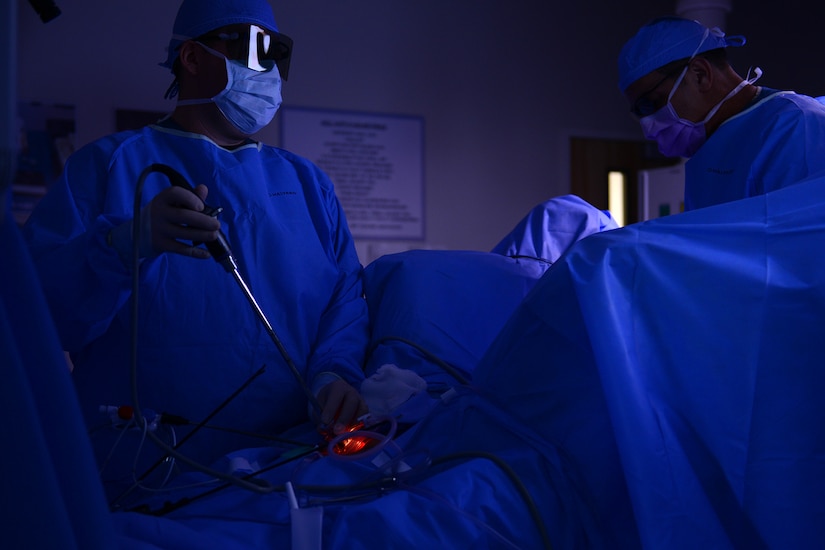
pixel 701 71
pixel 189 57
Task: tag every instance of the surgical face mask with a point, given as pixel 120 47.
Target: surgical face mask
pixel 250 99
pixel 676 136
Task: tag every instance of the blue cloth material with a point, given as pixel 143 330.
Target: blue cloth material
pixel 776 142
pixel 199 339
pixel 428 306
pixel 198 17
pixel 467 501
pixel 660 387
pixel 665 40
pixel 52 497
pixel 553 226
pixel 677 364
pixel 420 301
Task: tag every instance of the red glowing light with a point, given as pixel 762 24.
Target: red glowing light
pixel 349 445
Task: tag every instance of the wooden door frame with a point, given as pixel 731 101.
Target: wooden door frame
pixel 591 159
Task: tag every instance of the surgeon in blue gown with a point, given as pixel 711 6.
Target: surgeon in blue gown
pixel 198 339
pixel 742 139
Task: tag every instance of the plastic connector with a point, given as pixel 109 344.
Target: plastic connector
pixel 124 415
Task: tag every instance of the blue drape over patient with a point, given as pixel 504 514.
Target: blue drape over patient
pixel 452 303
pixel 678 363
pixel 553 226
pixel 659 387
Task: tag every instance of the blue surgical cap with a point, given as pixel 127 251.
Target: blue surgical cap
pixel 665 40
pixel 197 17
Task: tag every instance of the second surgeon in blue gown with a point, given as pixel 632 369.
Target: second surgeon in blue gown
pixel 742 140
pixel 199 339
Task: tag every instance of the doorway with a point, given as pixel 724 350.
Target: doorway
pixel 592 160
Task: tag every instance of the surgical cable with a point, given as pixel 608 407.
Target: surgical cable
pixel 201 424
pixel 521 488
pixel 138 482
pixel 375 484
pixel 265 437
pixel 448 368
pixel 193 431
pixel 185 501
pixel 437 498
pixel 258 485
pixel 220 251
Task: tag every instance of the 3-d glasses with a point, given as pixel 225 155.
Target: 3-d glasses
pixel 256 47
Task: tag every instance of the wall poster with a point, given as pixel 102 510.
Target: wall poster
pixel 376 163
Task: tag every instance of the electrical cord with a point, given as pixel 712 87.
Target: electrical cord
pixel 172 506
pixel 258 485
pixel 521 488
pixel 373 487
pixel 440 499
pixel 131 425
pixel 514 479
pixel 394 478
pixel 170 460
pixel 202 424
pixel 380 482
pixel 265 437
pixel 108 458
pixel 449 369
pixel 383 439
pixel 221 253
pixel 255 485
pixel 165 418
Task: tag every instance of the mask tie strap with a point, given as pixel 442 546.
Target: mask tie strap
pixel 684 71
pixel 201 101
pixel 757 73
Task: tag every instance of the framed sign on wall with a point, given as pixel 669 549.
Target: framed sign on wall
pixel 375 161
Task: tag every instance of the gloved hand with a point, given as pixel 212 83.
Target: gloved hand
pixel 341 404
pixel 170 223
pixel 175 215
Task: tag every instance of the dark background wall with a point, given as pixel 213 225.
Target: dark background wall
pixel 502 86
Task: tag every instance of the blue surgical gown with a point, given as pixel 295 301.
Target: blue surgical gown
pixel 776 142
pixel 198 338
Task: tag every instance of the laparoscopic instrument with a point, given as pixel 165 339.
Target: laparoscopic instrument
pixel 221 252
pixel 355 440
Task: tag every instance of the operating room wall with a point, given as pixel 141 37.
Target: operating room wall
pixel 501 85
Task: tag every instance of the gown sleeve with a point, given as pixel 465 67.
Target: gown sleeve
pixel 343 328
pixel 84 279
